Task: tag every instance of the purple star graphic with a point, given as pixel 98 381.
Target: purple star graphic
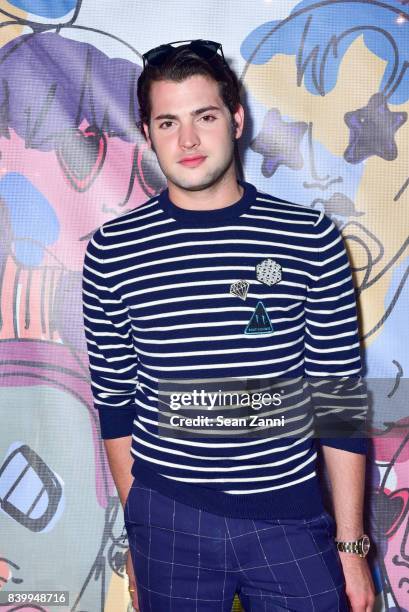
pixel 279 143
pixel 372 130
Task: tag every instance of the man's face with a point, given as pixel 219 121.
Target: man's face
pixel 191 132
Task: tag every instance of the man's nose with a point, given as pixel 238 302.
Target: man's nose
pixel 188 136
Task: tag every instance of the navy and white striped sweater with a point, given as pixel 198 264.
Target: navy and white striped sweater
pixel 157 305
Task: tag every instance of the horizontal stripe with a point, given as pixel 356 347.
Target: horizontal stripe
pixel 158 304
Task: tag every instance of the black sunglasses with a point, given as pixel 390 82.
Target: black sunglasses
pixel 205 49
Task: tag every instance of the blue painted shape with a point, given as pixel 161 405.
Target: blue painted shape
pixel 23 496
pixel 377 578
pixel 34 223
pixel 260 322
pixel 289 184
pixel 53 9
pixel 320 25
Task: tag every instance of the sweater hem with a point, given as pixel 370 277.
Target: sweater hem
pixel 302 501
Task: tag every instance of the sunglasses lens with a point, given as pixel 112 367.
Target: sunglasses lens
pixel 206 49
pixel 155 57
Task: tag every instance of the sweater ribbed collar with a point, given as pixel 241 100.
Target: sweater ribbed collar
pixel 209 218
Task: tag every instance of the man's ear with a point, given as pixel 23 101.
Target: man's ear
pixel 148 138
pixel 147 135
pixel 238 121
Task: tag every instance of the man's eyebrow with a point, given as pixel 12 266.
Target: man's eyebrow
pixel 194 113
pixel 205 109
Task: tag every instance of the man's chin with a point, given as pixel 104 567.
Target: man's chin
pixel 195 186
pixel 198 183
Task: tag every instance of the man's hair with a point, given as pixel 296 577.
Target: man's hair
pixel 182 64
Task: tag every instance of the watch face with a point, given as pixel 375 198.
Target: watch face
pixel 366 544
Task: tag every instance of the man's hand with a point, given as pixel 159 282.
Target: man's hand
pixel 347 475
pixel 120 463
pixel 132 582
pixel 359 587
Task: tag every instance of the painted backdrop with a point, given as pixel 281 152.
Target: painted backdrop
pixel 326 90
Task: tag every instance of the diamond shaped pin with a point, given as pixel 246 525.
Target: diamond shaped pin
pixel 240 289
pixel 268 272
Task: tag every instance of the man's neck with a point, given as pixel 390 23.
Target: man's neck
pixel 219 195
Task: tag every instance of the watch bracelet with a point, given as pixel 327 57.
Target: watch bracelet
pixel 350 547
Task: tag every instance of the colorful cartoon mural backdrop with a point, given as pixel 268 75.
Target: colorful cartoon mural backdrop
pixel 327 95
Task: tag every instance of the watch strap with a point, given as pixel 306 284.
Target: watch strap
pixel 354 546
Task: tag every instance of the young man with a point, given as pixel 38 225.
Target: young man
pixel 208 283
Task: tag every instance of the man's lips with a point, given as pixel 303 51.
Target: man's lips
pixel 192 161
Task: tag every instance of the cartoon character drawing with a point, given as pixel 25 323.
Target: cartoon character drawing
pixel 71 157
pixel 329 89
pixel 332 88
pixel 390 512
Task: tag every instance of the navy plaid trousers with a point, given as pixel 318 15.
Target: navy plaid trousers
pixel 189 560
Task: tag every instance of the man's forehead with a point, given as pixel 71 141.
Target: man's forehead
pixel 190 94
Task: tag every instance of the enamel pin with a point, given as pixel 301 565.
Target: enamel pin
pixel 240 288
pixel 269 272
pixel 260 322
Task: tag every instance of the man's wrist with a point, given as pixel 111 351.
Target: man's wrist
pixel 349 535
pixel 351 559
pixel 360 546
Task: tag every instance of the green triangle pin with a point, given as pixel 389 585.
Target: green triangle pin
pixel 260 322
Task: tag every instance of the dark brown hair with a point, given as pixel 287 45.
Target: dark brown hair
pixel 181 65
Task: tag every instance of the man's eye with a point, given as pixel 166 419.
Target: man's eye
pixel 208 118
pixel 165 124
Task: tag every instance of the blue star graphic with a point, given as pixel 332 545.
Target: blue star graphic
pixel 372 130
pixel 279 143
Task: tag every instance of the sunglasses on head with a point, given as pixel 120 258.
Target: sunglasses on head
pixel 206 49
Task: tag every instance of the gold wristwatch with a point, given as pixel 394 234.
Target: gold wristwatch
pixel 359 547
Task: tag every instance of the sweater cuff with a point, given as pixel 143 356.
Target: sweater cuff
pixel 353 445
pixel 116 422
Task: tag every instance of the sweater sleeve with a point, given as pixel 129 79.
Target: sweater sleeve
pixel 111 353
pixel 332 351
